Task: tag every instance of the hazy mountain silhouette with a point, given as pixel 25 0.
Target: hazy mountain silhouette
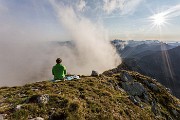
pixel 131 52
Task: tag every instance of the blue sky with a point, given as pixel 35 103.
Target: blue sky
pixel 123 19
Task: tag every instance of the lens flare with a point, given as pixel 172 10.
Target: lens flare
pixel 159 19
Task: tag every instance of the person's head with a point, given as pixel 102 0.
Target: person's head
pixel 58 60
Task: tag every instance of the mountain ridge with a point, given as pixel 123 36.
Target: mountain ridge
pixel 162 65
pixel 113 95
pixel 157 60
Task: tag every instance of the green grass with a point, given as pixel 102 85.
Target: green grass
pixel 91 98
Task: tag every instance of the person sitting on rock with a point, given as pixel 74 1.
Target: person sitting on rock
pixel 59 71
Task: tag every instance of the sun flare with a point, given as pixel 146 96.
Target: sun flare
pixel 159 19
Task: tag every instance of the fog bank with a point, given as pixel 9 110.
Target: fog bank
pixel 27 55
pixel 93 49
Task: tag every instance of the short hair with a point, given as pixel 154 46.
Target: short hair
pixel 58 60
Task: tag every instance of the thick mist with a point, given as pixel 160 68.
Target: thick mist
pixel 93 50
pixel 23 62
pixel 27 55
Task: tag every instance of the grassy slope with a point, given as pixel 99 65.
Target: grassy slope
pixel 89 98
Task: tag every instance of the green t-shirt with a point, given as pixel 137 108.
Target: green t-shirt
pixel 59 71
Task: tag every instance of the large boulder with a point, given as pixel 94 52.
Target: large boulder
pixel 135 88
pixel 152 86
pixel 126 77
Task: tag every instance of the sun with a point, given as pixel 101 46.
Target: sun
pixel 158 19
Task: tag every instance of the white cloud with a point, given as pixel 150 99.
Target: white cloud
pixel 173 11
pixel 129 6
pixel 123 6
pixel 110 5
pixel 81 5
pixel 93 50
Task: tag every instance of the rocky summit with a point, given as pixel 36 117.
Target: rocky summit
pixel 120 95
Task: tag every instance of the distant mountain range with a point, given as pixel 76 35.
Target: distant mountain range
pixel 156 59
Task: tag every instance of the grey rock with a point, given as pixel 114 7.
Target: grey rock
pixel 169 90
pixel 94 73
pixel 146 83
pixel 135 89
pixel 111 85
pixel 37 118
pixel 153 87
pixel 154 80
pixel 126 77
pixel 170 118
pixel 38 99
pixel 142 106
pixel 137 99
pixel 18 107
pixel 132 98
pixel 146 98
pixel 116 87
pixel 43 98
pixel 34 89
pixel 175 113
pixel 22 95
pixel 154 108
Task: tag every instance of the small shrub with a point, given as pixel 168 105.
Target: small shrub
pixel 73 107
pixel 81 89
pixel 61 115
pixel 82 96
pixel 57 101
pixel 95 108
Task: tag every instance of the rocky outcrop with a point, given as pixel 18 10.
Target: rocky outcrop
pixel 142 90
pixel 122 95
pixel 126 77
pixel 135 88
